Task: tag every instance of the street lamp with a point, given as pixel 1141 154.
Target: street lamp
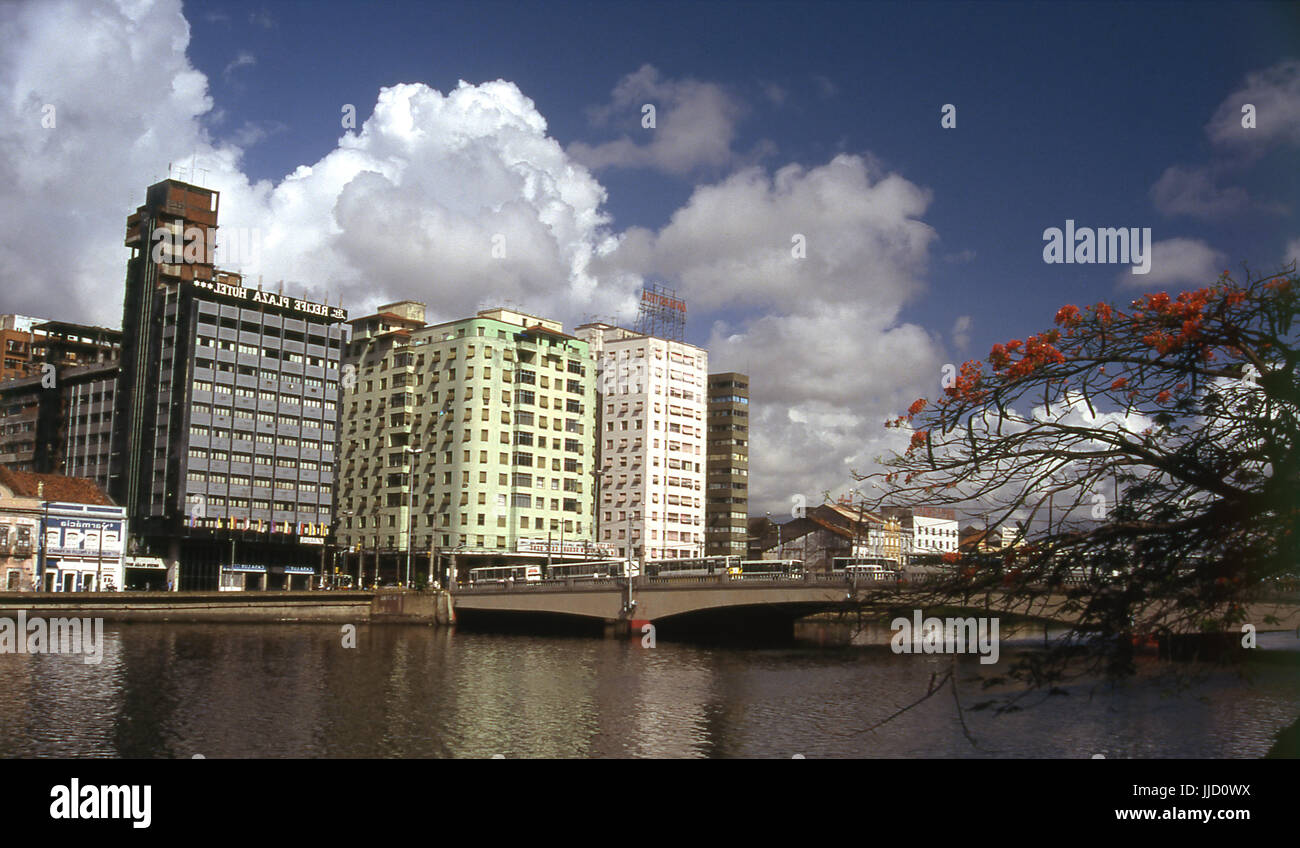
pixel 410 509
pixel 334 529
pixel 778 536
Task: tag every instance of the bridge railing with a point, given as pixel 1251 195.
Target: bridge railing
pixel 567 584
pixel 570 584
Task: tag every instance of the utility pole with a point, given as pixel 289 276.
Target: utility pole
pixel 99 563
pixel 433 559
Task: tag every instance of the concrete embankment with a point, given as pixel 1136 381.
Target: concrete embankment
pixel 385 606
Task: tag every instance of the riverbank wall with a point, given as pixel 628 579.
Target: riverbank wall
pixel 384 606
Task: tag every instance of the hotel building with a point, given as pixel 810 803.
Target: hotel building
pixel 223 420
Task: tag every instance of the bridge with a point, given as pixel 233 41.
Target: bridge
pixel 730 603
pixel 740 604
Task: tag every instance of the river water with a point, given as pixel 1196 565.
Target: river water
pixel 295 690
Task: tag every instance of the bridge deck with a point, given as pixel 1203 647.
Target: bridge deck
pixel 664 597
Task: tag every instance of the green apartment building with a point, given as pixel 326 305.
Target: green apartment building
pixel 466 443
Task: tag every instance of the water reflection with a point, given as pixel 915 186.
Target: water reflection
pixel 175 690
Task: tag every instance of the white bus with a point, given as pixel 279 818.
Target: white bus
pixel 864 568
pixel 591 570
pixel 505 574
pixel 698 567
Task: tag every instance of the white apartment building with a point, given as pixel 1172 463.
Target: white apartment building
pixel 928 530
pixel 934 535
pixel 652 433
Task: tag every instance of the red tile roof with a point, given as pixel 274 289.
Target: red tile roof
pixel 27 484
pixel 833 528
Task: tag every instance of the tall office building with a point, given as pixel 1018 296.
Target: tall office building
pixel 651 442
pixel 470 438
pixel 224 415
pixel 727 464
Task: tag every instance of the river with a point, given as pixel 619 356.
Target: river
pixel 295 690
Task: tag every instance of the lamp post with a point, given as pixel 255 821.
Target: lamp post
pixel 338 519
pixel 410 509
pixel 778 536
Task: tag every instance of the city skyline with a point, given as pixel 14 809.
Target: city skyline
pixel 535 185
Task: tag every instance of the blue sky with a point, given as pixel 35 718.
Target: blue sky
pixel 1065 110
pixel 924 245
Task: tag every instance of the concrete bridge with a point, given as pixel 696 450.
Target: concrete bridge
pixel 716 603
pixel 743 605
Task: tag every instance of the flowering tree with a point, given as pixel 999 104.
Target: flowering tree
pixel 1148 457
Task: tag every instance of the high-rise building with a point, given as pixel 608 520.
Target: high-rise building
pixel 85 421
pixel 225 411
pixel 471 438
pixel 653 396
pixel 21 446
pixel 727 464
pixel 56 417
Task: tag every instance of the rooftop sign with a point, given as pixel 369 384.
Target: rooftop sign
pixel 280 301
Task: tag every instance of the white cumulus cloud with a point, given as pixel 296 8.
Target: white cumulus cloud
pixel 694 125
pixel 1189 263
pixel 411 205
pixel 462 199
pixel 1275 94
pixel 805 289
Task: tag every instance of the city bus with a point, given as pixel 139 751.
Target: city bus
pixel 864 568
pixel 697 567
pixel 590 570
pixel 759 568
pixel 505 574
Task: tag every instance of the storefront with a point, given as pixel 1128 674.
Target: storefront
pixel 146 574
pixel 242 577
pixel 83 548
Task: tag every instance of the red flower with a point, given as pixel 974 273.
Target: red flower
pixel 1068 316
pixel 1163 397
pixel 916 407
pixel 1120 382
pixel 1158 302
